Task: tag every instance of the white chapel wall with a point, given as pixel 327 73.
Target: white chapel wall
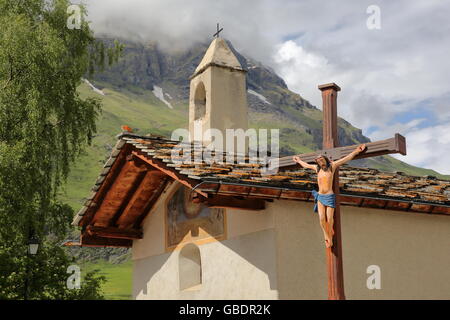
pixel 238 268
pixel 411 250
pixel 280 253
pixel 243 266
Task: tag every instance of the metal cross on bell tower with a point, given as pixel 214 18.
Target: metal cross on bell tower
pixel 218 31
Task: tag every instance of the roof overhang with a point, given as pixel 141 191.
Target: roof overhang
pixel 122 196
pixel 347 199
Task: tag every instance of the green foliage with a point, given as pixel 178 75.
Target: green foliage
pixel 44 275
pixel 44 126
pixel 90 287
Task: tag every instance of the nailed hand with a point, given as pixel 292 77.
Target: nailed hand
pixel 361 148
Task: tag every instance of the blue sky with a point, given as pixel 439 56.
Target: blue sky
pixel 393 79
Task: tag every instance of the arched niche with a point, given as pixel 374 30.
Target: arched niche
pixel 190 267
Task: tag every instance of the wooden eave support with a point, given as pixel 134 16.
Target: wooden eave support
pixel 87 240
pixel 137 205
pixel 119 193
pixel 105 186
pixel 168 171
pixel 265 193
pixel 113 232
pixel 231 202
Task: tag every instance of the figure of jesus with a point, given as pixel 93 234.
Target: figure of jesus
pixel 325 199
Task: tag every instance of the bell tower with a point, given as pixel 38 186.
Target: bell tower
pixel 218 93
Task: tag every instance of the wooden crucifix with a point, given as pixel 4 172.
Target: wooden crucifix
pixel 333 152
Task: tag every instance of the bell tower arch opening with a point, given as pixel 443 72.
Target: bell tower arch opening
pixel 200 102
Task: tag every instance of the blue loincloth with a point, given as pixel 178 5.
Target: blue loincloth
pixel 328 200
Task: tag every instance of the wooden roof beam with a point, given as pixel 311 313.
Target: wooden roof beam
pixel 152 201
pixel 218 201
pixel 127 180
pixel 135 206
pixel 87 240
pixel 113 232
pixel 130 197
pixel 169 171
pixel 106 185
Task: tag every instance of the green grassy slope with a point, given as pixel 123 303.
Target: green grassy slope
pixel 407 168
pixel 118 283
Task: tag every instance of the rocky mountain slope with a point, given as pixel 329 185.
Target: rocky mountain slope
pixel 271 103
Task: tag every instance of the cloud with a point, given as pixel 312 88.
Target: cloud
pixel 302 70
pixel 390 130
pixel 179 24
pixel 441 107
pixel 429 148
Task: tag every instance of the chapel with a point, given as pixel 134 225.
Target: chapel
pixel 201 230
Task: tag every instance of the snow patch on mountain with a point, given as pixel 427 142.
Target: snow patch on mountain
pixel 93 87
pixel 158 92
pixel 260 96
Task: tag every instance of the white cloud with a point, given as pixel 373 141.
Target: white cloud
pixel 429 148
pixel 441 106
pixel 389 130
pixel 302 70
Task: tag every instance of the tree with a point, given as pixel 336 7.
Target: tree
pixel 44 125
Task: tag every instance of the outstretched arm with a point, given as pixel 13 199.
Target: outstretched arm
pixel 304 164
pixel 350 156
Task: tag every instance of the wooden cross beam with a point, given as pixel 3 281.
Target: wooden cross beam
pixel 397 144
pixel 334 152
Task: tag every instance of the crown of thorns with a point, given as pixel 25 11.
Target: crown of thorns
pixel 321 156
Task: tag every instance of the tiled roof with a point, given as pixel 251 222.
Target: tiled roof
pixel 355 182
pixel 352 180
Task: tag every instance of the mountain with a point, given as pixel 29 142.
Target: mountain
pixel 148 90
pixel 271 103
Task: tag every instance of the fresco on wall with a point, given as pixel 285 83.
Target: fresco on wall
pixel 188 221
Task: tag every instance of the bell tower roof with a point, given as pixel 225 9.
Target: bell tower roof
pixel 218 54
